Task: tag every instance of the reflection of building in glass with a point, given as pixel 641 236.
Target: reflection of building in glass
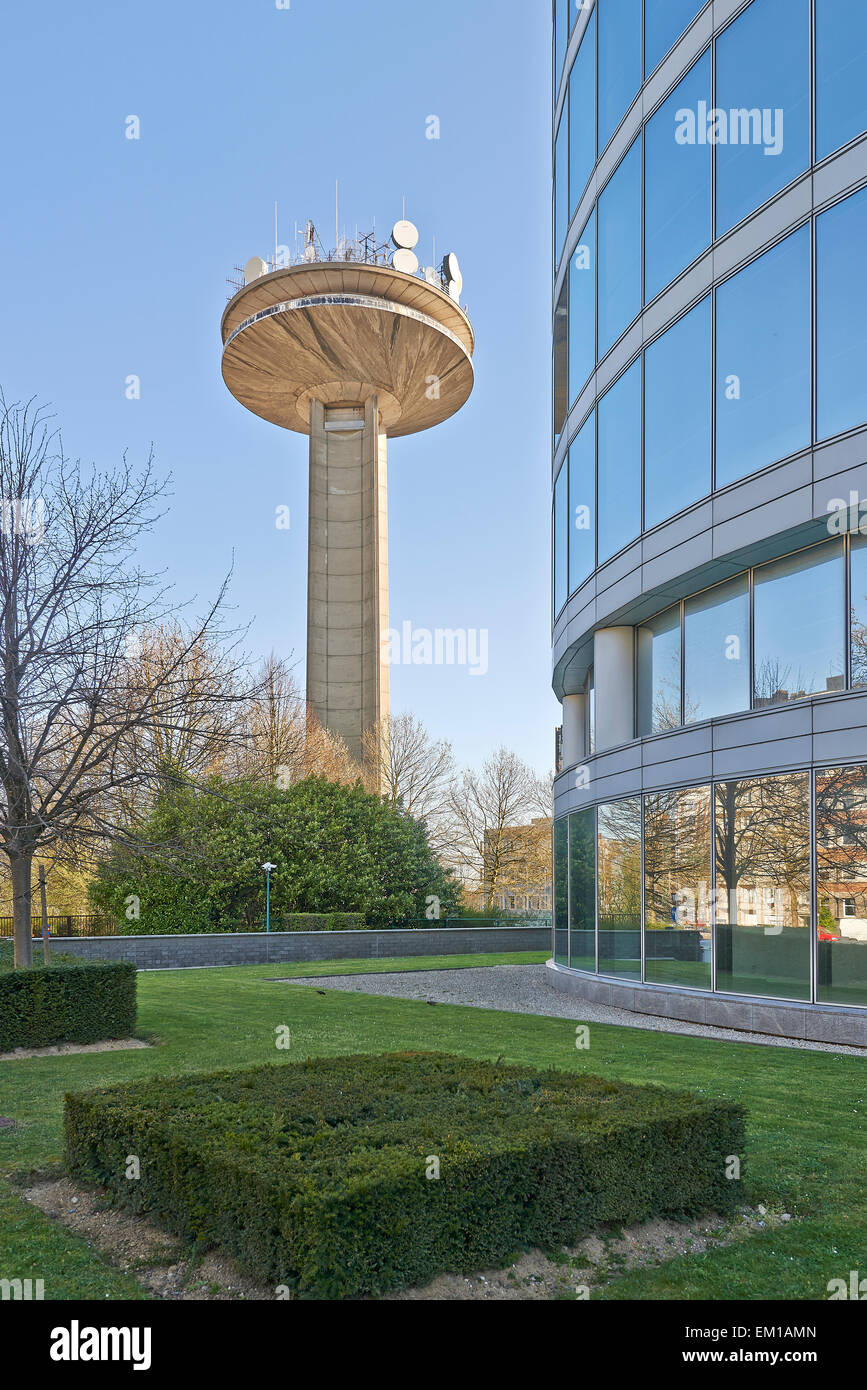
pixel 709 557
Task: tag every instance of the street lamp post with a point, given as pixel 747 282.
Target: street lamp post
pixel 268 868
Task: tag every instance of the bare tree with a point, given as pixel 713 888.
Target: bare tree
pixel 403 763
pixel 275 726
pixel 208 725
pixel 75 706
pixel 326 754
pixel 487 809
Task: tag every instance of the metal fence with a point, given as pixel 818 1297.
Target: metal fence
pixel 92 924
pixel 66 924
pixel 540 920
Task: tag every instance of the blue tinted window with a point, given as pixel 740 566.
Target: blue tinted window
pixel 619 62
pixel 664 22
pixel 582 504
pixel 619 233
pixel 677 189
pixel 762 129
pixel 561 537
pixel 561 183
pixel 677 411
pixel 763 360
pixel 562 10
pixel 799 625
pixel 619 467
pixel 716 634
pixel 659 704
pixel 841 274
pixel 582 115
pixel 841 74
pixel 582 309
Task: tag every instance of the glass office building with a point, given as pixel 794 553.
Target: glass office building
pixel 709 509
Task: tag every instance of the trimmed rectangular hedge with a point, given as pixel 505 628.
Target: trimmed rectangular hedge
pixel 170 924
pixel 77 1002
pixel 320 921
pixel 315 1174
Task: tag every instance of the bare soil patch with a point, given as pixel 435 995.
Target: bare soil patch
pixel 69 1049
pixel 168 1269
pixel 596 1260
pixel 161 1263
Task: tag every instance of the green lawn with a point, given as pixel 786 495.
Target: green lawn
pixel 805 1112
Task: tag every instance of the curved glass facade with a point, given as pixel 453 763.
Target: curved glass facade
pixel 744 357
pixel 781 631
pixel 722 887
pixel 710 381
pixel 750 133
pixel 784 77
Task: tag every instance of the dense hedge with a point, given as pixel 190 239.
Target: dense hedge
pixel 314 1174
pixel 76 1002
pixel 172 923
pixel 197 862
pixel 320 921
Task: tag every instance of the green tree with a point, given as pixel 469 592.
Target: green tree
pixel 336 849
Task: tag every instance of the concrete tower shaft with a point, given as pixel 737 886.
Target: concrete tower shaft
pixel 347 611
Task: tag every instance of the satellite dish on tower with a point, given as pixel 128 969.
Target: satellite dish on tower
pixel 404 235
pixel 254 268
pixel 405 260
pixel 452 271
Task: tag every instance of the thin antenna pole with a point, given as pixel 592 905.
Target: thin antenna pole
pixel 336 214
pixel 275 235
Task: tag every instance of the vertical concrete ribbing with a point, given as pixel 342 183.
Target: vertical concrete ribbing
pixel 347 680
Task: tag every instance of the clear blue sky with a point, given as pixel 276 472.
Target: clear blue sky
pixel 115 254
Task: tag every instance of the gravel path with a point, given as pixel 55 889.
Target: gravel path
pixel 524 989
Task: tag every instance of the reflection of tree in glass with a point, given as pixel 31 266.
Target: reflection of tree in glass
pixel 858 641
pixel 676 855
pixel 666 708
pixel 841 835
pixel 763 834
pixel 561 873
pixel 774 681
pixel 620 863
pixel 582 870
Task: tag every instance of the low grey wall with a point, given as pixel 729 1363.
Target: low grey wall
pixel 261 948
pixel 812 1022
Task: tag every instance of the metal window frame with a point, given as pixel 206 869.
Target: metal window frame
pixel 596 886
pixel 569 889
pixel 810 773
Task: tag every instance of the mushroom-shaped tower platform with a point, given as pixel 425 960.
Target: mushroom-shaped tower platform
pixel 348 352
